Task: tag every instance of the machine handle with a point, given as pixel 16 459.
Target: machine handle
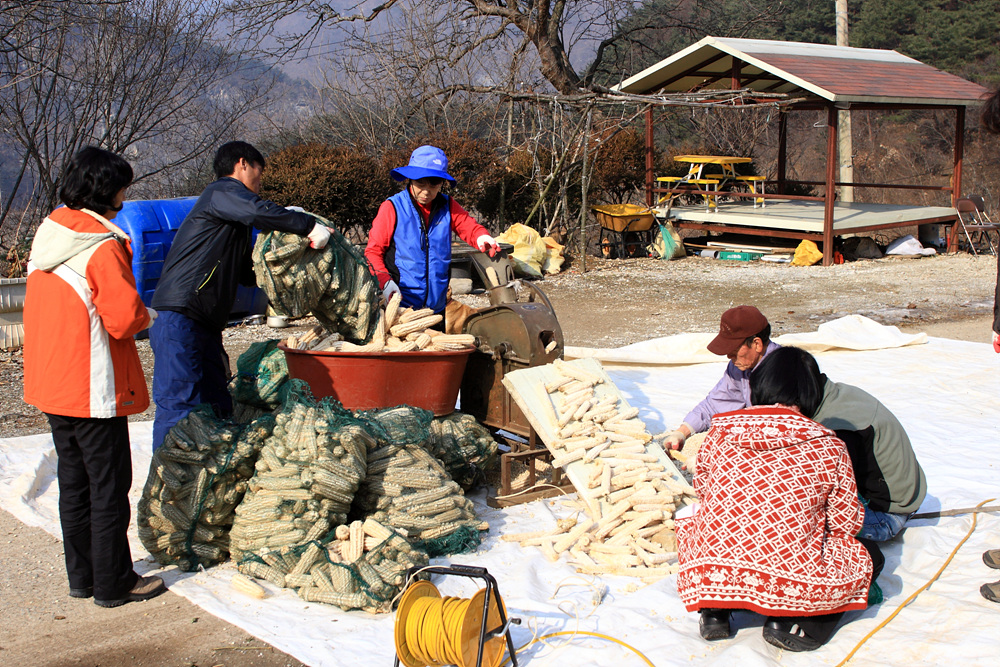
pixel 541 294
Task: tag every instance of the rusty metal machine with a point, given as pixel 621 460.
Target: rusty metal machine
pixel 510 335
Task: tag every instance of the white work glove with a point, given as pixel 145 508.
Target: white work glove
pixel 318 237
pixel 675 439
pixel 486 243
pixel 152 316
pixel 297 209
pixel 390 288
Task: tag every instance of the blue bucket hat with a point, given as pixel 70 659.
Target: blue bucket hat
pixel 425 162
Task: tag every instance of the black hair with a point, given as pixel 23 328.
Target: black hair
pixel 229 154
pixel 764 335
pixel 990 114
pixel 92 178
pixel 789 376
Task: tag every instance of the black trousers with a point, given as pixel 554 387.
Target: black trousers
pixel 821 627
pixel 95 474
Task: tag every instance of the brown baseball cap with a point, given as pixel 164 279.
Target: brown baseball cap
pixel 737 325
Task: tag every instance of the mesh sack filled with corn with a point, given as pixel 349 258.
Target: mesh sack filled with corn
pixel 464 446
pixel 196 480
pixel 334 284
pixel 261 379
pixel 409 490
pixel 357 566
pixel 306 475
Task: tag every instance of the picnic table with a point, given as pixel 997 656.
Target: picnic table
pixel 695 176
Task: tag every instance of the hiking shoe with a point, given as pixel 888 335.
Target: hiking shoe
pixel 144 589
pixel 714 624
pixel 789 636
pixel 87 592
pixel 991 591
pixel 992 558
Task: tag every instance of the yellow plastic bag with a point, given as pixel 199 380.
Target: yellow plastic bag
pixel 667 244
pixel 529 250
pixel 553 256
pixel 806 254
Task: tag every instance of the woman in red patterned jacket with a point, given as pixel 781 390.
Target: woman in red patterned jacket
pixel 82 370
pixel 778 511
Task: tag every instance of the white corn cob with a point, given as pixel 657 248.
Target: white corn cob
pixel 247 586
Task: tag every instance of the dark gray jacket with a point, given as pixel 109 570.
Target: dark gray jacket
pixel 210 255
pixel 885 467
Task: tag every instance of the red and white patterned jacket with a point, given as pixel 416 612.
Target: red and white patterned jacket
pixel 778 512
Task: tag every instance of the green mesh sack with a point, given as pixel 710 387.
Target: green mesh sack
pixel 261 379
pixel 464 446
pixel 306 476
pixel 334 284
pixel 361 566
pixel 196 480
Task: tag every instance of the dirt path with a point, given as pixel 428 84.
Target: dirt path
pixel 615 303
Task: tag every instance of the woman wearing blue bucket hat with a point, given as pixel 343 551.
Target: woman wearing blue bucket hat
pixel 409 246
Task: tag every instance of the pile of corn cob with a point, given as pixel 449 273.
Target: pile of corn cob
pixel 464 446
pixel 626 520
pixel 196 480
pixel 333 284
pixel 397 330
pixel 409 490
pixel 360 566
pixel 306 477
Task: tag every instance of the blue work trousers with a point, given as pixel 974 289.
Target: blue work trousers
pixel 190 367
pixel 882 526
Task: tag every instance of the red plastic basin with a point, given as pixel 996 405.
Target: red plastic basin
pixel 428 380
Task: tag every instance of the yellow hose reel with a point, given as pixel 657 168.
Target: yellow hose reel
pixel 432 631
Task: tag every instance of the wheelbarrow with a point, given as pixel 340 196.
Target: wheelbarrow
pixel 623 226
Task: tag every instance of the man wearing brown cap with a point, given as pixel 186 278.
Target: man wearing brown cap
pixel 744 337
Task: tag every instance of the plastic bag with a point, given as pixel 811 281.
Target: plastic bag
pixel 667 244
pixel 806 254
pixel 530 251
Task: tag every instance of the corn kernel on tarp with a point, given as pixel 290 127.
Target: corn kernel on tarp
pixel 953 403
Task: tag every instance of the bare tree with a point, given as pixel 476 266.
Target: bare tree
pixel 139 77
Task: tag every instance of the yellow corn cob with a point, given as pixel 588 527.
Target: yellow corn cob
pixel 409 326
pixel 392 310
pixel 247 586
pixel 409 315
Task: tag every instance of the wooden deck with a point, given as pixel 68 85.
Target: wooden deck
pixel 803 219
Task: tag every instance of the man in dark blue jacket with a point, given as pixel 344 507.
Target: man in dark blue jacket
pixel 208 259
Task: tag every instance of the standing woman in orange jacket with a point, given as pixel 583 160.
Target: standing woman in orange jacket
pixel 81 369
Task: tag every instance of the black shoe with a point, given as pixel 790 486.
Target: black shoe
pixel 714 624
pixel 144 589
pixel 992 558
pixel 789 636
pixel 87 592
pixel 991 591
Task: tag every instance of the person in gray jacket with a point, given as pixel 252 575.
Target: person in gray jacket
pixel 890 480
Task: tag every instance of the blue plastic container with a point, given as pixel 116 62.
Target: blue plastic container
pixel 152 224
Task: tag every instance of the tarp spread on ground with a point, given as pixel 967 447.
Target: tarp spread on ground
pixel 944 392
pixel 853 332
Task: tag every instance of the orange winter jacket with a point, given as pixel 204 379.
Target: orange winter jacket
pixel 80 313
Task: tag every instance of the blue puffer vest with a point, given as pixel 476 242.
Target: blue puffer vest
pixel 423 258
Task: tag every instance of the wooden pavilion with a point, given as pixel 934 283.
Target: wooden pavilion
pixel 818 77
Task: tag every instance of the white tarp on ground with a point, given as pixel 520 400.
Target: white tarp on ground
pixel 946 394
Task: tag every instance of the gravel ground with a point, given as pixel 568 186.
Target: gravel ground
pixel 616 302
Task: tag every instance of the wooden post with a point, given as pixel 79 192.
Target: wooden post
pixel 956 192
pixel 583 194
pixel 782 149
pixel 649 157
pixel 956 175
pixel 830 197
